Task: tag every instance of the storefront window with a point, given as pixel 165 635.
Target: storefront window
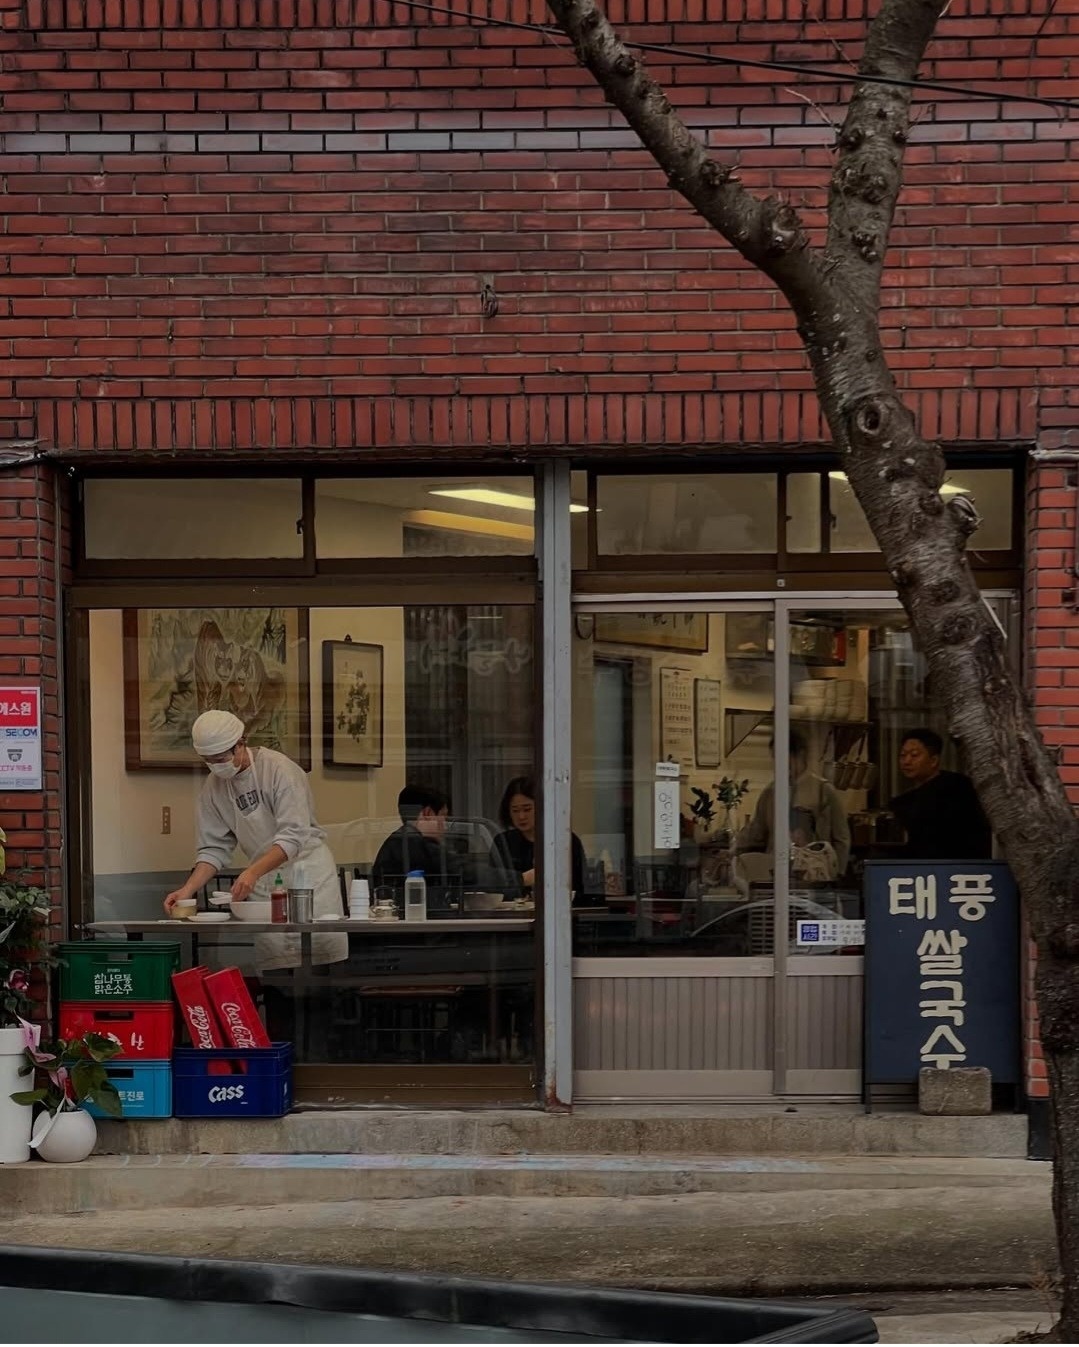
pixel 424 517
pixel 368 701
pixel 673 716
pixel 711 513
pixel 192 517
pixel 803 512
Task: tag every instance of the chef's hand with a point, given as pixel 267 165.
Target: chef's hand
pixel 173 898
pixel 244 886
pixel 528 878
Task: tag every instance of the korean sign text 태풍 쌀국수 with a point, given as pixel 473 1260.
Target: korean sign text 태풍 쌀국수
pixel 942 969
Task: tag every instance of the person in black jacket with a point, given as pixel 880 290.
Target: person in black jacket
pixel 419 844
pixel 515 849
pixel 940 813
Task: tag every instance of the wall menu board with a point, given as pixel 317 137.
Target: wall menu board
pixel 676 717
pixel 941 969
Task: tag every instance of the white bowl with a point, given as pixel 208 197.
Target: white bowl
pixel 221 897
pixel 482 902
pixel 253 909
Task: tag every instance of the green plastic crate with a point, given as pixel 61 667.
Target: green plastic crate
pixel 118 970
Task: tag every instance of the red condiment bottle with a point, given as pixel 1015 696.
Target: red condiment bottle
pixel 278 901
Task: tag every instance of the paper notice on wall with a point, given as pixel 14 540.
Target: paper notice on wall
pixel 20 738
pixel 666 816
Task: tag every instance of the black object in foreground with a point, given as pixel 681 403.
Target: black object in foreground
pixel 45 1294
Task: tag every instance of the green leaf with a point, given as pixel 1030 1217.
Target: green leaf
pixel 30 1096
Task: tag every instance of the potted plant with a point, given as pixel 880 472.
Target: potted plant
pixel 24 947
pixel 730 794
pixel 74 1072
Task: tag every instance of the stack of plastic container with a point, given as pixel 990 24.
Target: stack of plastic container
pixel 122 989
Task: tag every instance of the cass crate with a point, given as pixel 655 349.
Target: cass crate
pixel 145 1089
pixel 232 1082
pixel 117 970
pixel 142 1029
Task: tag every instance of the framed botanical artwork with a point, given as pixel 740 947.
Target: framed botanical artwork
pixel 687 632
pixel 707 722
pixel 179 662
pixel 351 704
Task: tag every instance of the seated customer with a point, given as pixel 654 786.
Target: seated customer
pixel 940 813
pixel 419 844
pixel 515 849
pixel 816 813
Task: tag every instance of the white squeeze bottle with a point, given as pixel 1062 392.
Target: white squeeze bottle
pixel 359 900
pixel 415 896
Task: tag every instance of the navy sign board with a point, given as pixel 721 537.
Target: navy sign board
pixel 941 969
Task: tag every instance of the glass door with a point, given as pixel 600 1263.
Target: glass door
pixel 672 925
pixel 860 728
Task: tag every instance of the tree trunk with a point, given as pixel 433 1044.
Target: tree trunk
pixel 896 476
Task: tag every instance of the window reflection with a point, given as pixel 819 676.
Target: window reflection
pixel 714 513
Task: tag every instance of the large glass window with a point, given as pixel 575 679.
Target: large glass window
pixel 424 517
pixel 366 701
pixel 135 518
pixel 710 513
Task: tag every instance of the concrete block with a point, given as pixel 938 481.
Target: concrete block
pixel 961 1092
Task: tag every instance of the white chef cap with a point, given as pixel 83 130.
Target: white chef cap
pixel 216 732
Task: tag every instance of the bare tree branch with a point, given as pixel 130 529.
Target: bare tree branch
pixel 767 232
pixel 869 168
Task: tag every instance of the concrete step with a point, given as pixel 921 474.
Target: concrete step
pixel 601 1131
pixel 113 1183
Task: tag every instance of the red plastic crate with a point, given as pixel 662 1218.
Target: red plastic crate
pixel 197 1009
pixel 143 1029
pixel 235 1009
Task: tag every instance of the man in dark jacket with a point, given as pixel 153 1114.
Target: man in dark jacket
pixel 419 844
pixel 940 813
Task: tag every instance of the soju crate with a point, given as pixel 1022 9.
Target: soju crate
pixel 142 1029
pixel 145 1089
pixel 232 1082
pixel 117 970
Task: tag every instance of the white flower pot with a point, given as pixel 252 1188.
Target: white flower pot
pixel 15 1119
pixel 65 1138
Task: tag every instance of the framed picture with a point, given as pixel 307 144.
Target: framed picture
pixel 687 632
pixel 676 717
pixel 707 722
pixel 351 704
pixel 179 662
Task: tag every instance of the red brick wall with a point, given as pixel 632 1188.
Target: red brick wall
pixel 1052 654
pixel 33 544
pixel 243 224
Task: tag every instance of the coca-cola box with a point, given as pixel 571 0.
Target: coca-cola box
pixel 197 1009
pixel 236 1012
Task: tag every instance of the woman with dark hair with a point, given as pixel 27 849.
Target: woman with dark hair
pixel 515 849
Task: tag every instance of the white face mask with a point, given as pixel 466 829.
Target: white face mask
pixel 226 770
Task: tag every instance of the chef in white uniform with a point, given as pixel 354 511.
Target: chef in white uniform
pixel 260 800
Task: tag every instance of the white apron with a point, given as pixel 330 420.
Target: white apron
pixel 320 874
pixel 255 828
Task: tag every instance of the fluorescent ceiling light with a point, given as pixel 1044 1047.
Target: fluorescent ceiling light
pixel 485 495
pixel 948 489
pixel 467 523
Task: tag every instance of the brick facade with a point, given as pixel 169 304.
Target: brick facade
pixel 268 227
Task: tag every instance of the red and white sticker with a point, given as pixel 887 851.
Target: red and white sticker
pixel 20 737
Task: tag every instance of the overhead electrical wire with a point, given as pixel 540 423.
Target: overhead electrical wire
pixel 822 74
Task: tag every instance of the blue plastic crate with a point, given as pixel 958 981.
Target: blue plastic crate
pixel 145 1089
pixel 232 1082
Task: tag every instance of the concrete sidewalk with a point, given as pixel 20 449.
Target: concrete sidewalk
pixel 851 1231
